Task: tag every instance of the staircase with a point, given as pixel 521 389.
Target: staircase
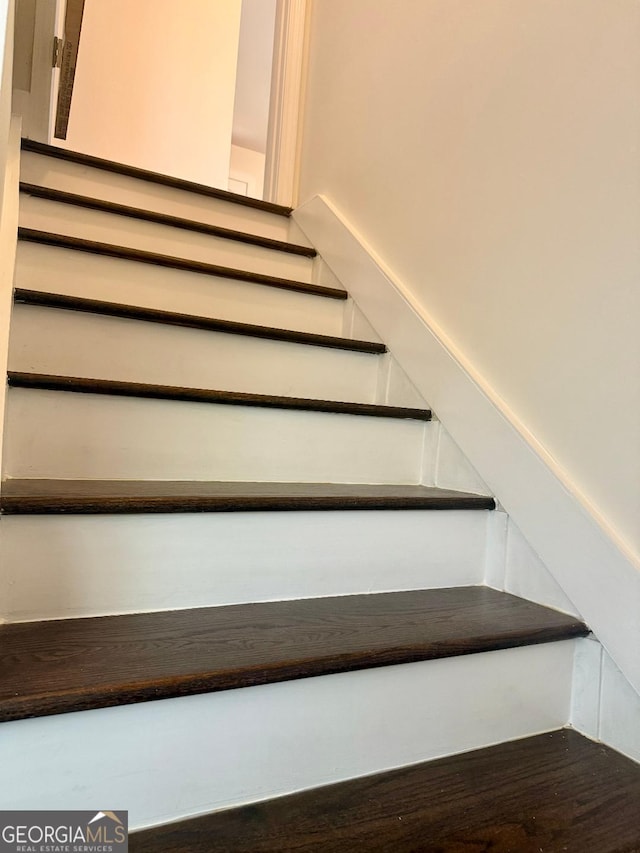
pixel 227 575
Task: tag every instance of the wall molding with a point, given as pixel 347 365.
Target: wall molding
pixel 289 56
pixel 589 561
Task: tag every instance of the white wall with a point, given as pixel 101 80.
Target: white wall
pixel 155 85
pixel 604 705
pixel 246 171
pixel 253 82
pixel 489 152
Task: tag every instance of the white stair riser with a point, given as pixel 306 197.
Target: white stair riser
pixel 73 343
pixel 45 215
pixel 66 435
pixel 96 183
pixel 240 746
pixel 57 567
pixel 74 273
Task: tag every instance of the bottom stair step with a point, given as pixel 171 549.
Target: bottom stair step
pixel 554 792
pixel 81 664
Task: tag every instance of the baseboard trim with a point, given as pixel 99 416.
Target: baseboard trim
pixel 583 552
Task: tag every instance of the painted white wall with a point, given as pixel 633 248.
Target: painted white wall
pixel 246 168
pixel 488 151
pixel 604 705
pixel 252 97
pixel 155 85
pixel 253 81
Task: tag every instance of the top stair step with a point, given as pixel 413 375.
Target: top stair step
pixel 91 203
pixel 153 177
pixel 81 664
pixel 71 172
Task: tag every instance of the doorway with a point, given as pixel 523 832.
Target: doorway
pixel 181 89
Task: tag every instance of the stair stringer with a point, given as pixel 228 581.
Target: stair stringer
pixel 604 706
pixel 588 564
pixel 511 564
pixel 10 175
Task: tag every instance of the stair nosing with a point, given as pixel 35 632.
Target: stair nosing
pixel 65 302
pixel 379 629
pixel 110 387
pixel 153 177
pixel 128 253
pixel 232 497
pixel 91 203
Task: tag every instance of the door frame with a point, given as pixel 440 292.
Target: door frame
pixel 284 134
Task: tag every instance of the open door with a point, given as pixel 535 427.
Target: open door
pixel 65 71
pixel 52 29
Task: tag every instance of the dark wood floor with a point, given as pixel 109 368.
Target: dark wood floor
pixel 78 664
pixel 551 793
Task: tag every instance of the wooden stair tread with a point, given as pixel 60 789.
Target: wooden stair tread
pixel 33 496
pixel 191 321
pixel 78 664
pixel 91 203
pixel 154 177
pixel 553 792
pixel 127 253
pixel 84 385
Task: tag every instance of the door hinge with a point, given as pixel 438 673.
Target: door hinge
pixel 56 58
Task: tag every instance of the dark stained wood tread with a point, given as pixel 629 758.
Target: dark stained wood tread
pixel 203 395
pixel 78 664
pixel 154 177
pixel 553 792
pixel 191 321
pixel 92 247
pixel 160 496
pixel 164 219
